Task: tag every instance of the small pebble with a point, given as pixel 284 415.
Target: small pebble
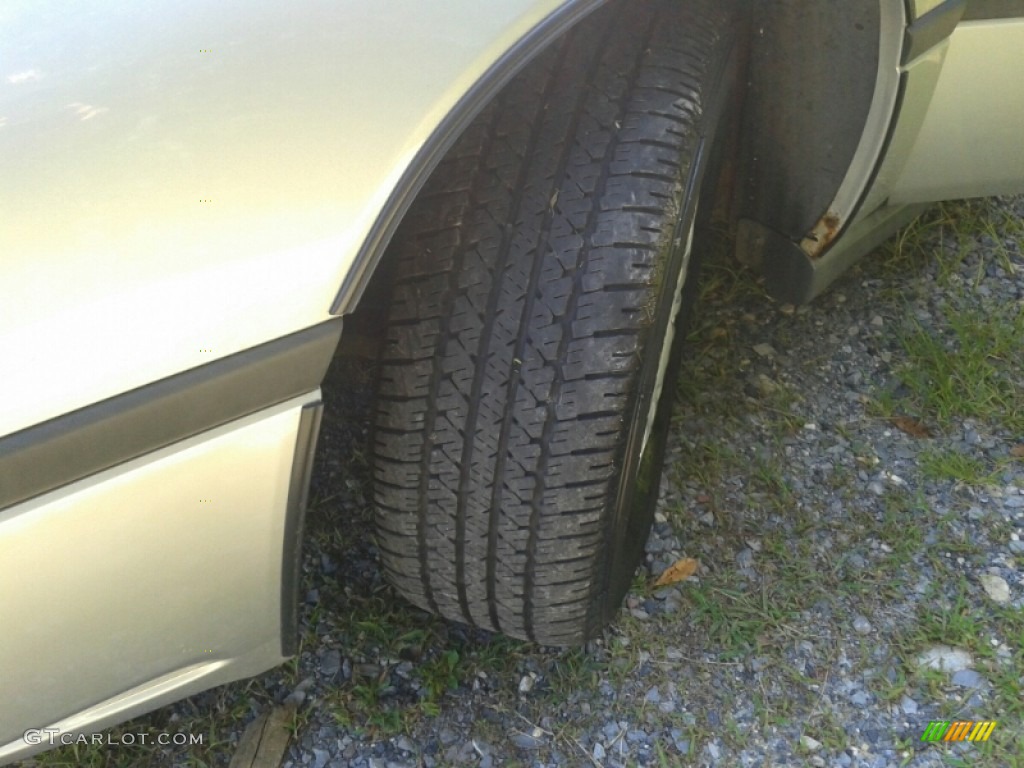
pixel 995 587
pixel 331 663
pixel 810 744
pixel 527 740
pixel 405 744
pixel 945 658
pixel 967 678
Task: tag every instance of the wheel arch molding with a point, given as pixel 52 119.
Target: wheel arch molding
pixel 443 136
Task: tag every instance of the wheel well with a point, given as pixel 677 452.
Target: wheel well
pixel 810 79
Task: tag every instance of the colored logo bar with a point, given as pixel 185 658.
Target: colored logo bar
pixel 959 730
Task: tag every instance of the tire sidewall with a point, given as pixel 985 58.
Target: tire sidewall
pixel 636 494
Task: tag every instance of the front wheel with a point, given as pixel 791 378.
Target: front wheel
pixel 519 425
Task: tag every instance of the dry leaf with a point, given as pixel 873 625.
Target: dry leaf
pixel 1017 451
pixel 912 427
pixel 680 570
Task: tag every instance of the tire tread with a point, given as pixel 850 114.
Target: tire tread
pixel 517 320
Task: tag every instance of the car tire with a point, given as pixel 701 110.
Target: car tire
pixel 538 280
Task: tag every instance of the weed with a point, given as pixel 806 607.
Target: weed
pixel 439 675
pixel 953 465
pixel 969 369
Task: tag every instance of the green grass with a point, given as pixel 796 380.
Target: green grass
pixel 946 237
pixel 966 622
pixel 970 364
pixel 954 465
pixel 966 366
pixel 970 368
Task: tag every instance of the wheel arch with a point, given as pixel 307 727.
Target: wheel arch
pixel 441 138
pixel 822 91
pixel 822 96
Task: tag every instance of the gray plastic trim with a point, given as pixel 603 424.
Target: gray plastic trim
pixel 295 516
pixel 932 28
pixel 994 9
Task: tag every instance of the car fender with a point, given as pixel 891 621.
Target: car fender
pixel 186 181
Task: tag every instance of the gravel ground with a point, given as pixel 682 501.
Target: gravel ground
pixel 859 528
pixel 855 580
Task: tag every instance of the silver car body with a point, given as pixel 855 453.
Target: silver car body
pixel 192 193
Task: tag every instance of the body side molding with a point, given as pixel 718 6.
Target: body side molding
pixel 67 448
pixel 993 9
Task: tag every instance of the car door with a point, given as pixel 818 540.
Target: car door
pixel 962 104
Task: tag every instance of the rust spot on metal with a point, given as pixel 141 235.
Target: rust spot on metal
pixel 822 235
